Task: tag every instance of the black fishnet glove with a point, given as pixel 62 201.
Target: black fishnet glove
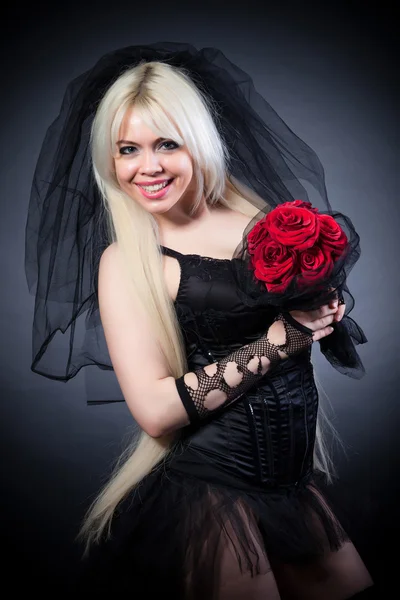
pixel 222 382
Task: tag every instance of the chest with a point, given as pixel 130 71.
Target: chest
pixel 218 241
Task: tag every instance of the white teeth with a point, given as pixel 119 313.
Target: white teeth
pixel 154 188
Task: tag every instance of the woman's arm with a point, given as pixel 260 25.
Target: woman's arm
pixel 195 395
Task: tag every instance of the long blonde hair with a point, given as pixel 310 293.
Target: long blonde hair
pixel 153 88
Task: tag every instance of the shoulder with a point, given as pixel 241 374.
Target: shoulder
pixel 110 266
pixel 234 216
pixel 111 250
pixel 109 256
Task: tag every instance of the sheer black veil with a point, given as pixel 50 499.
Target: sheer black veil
pixel 65 228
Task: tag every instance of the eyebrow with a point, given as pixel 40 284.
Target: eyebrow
pixel 135 144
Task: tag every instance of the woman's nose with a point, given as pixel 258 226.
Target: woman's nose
pixel 150 163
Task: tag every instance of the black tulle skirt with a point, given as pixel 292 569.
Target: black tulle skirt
pixel 161 530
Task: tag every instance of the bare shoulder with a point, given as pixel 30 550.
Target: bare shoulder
pixel 232 224
pixel 112 280
pixel 111 263
pixel 233 218
pixel 110 272
pixel 110 251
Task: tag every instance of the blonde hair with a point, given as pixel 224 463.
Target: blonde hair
pixel 153 88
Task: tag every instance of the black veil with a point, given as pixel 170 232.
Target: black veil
pixel 65 228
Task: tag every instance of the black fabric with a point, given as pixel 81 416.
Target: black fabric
pixel 196 395
pixel 159 535
pixel 280 410
pixel 187 400
pixel 66 233
pixel 251 462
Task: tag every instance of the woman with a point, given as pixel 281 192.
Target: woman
pixel 218 498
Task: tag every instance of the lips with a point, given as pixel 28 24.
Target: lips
pixel 155 182
pixel 158 194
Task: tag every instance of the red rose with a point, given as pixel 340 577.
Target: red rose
pixel 315 263
pixel 332 235
pixel 294 240
pixel 301 204
pixel 274 264
pixel 295 226
pixel 257 235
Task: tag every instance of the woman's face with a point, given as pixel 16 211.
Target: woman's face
pixel 157 173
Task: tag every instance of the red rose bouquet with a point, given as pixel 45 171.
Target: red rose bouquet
pixel 295 241
pixel 297 258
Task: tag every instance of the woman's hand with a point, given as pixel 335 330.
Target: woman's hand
pixel 318 321
pixel 313 325
pixel 340 309
pixel 321 319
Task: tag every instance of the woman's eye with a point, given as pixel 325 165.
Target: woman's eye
pixel 127 149
pixel 173 144
pixel 167 145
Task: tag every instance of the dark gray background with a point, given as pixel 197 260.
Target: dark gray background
pixel 331 76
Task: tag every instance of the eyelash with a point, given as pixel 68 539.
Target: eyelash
pixel 123 148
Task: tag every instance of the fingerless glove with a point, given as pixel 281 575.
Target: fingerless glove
pixel 212 390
